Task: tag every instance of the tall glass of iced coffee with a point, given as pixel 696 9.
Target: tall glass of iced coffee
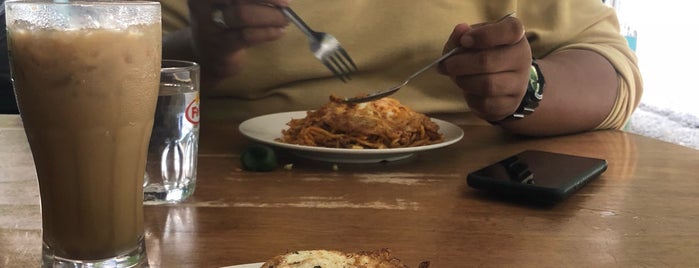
pixel 86 76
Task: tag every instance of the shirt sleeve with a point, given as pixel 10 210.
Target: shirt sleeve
pixel 588 25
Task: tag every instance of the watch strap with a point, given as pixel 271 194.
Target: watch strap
pixel 532 97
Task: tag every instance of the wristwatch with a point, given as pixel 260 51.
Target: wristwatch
pixel 534 94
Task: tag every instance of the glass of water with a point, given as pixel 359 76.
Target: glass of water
pixel 171 170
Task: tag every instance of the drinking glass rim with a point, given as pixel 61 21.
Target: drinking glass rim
pixel 181 65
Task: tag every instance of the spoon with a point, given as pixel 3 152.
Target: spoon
pixel 381 94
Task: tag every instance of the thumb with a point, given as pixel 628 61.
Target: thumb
pixel 453 42
pixel 455 37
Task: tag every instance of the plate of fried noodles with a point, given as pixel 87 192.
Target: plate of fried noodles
pixel 377 131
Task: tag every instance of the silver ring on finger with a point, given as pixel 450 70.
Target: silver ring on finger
pixel 218 18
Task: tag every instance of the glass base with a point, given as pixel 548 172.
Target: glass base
pixel 134 258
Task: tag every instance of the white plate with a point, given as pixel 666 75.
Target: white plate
pixel 249 265
pixel 267 128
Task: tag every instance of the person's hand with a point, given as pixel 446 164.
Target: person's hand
pixel 222 29
pixel 493 69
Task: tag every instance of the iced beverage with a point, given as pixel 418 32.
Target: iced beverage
pixel 86 77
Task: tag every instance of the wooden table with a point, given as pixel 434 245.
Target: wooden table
pixel 643 211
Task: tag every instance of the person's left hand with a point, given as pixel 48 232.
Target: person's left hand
pixel 493 68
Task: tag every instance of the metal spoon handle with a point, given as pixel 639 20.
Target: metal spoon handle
pixel 438 60
pixel 381 94
pixel 391 90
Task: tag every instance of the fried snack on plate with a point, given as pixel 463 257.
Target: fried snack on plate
pixel 322 258
pixel 379 124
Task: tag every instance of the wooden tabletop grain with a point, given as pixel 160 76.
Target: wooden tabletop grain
pixel 641 212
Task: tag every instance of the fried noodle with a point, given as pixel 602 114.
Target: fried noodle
pixel 380 124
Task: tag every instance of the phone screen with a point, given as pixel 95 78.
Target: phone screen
pixel 540 175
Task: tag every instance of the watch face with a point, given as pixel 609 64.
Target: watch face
pixel 535 84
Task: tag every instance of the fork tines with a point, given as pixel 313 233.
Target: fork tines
pixel 340 63
pixel 325 47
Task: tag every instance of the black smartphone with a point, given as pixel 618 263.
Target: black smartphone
pixel 538 175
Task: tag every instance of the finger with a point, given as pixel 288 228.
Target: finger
pixel 505 84
pixel 283 3
pixel 452 42
pixel 491 109
pixel 492 60
pixel 246 22
pixel 278 3
pixel 258 35
pixel 456 34
pixel 252 14
pixel 200 13
pixel 505 32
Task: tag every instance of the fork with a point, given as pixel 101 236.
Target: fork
pixel 325 48
pixel 381 94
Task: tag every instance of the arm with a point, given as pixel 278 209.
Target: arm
pixel 581 85
pixel 580 90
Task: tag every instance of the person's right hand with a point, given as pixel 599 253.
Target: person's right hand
pixel 220 48
pixel 493 68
